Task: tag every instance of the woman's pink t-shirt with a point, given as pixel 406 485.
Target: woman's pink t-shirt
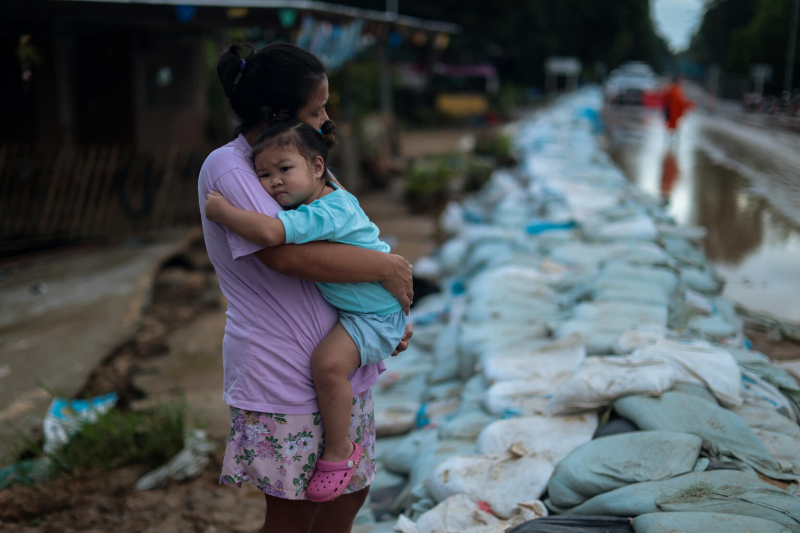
pixel 274 322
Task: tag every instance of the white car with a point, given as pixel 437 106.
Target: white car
pixel 629 86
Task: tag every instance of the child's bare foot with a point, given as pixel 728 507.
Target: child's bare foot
pixel 335 453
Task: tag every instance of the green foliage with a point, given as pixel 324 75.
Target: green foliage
pixel 496 145
pixel 430 176
pixel 121 438
pixel 739 33
pixel 518 36
pixel 478 172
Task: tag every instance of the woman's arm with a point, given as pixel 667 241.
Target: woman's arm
pixel 251 226
pixel 328 262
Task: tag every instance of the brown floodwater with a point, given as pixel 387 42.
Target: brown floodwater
pixel 739 181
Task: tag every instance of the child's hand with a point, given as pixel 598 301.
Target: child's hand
pixel 216 205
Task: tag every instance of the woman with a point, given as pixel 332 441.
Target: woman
pixel 275 322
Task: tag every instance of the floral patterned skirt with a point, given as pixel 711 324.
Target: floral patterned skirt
pixel 277 453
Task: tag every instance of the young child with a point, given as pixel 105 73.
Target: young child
pixel 290 160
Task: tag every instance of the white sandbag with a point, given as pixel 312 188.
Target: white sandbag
pixel 432 452
pixel 601 380
pixel 761 393
pixel 463 514
pixel 631 292
pixel 452 255
pixel 621 315
pixel 551 438
pixel 784 448
pixel 457 513
pixel 698 303
pixel 519 396
pixel 490 339
pixel 638 228
pixel 700 361
pixel 599 324
pixel 621 271
pixel 779 434
pixel 700 280
pixel 489 478
pixel 554 361
pixel 465 426
pixel 472 394
pixel 511 294
pixel 445 355
pixel 395 419
pixel 714 327
pixel 400 458
pixel 451 221
pixel 639 336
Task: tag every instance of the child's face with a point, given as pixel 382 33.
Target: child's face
pixel 288 176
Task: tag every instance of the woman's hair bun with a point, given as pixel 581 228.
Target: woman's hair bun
pixel 328 128
pixel 229 66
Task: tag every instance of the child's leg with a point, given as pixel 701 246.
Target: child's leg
pixel 335 358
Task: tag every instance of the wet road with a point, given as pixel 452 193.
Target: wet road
pixel 740 181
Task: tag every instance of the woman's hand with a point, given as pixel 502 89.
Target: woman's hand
pixel 403 346
pixel 216 206
pixel 398 281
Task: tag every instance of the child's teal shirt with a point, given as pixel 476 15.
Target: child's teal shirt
pixel 337 217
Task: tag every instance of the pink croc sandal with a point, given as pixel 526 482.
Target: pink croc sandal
pixel 331 478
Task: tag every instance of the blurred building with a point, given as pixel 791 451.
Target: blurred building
pixel 112 105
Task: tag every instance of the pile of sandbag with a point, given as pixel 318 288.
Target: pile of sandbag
pixel 580 366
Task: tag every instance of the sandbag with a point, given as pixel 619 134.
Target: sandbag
pixel 601 380
pixel 639 336
pixel 780 435
pixel 726 437
pixel 621 271
pixel 552 438
pixel 638 228
pixel 576 524
pixel 699 361
pixel 465 426
pixel 464 514
pixel 720 491
pixel 703 523
pixel 700 280
pixel 518 397
pixel 605 464
pixel 489 477
pixel 555 361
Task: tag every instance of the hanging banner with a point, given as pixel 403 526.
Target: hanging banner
pixel 333 44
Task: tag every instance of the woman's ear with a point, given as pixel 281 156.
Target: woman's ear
pixel 319 166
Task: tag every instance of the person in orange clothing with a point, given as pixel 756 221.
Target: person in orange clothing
pixel 675 105
pixel 669 176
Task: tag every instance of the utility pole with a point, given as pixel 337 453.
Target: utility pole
pixel 792 46
pixel 386 97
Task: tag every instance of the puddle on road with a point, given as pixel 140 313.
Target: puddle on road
pixel 741 183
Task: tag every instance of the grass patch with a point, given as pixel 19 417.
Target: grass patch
pixel 115 439
pixel 122 438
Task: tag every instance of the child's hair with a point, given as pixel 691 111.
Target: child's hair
pixel 285 132
pixel 280 76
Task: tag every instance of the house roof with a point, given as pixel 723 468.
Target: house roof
pixel 304 5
